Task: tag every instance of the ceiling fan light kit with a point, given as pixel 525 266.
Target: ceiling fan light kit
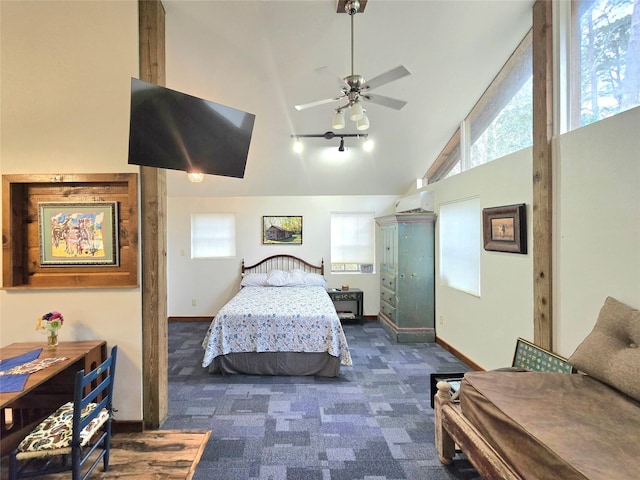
pixel 338 120
pixel 356 111
pixel 363 123
pixel 355 89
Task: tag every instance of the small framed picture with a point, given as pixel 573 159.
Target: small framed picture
pixel 366 268
pixel 505 228
pixel 278 230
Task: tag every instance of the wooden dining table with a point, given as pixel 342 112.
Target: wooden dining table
pixel 45 390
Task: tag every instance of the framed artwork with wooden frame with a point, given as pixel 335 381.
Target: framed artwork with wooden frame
pixel 505 228
pixel 278 230
pixel 78 233
pixel 34 204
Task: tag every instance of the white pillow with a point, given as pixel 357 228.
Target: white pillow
pixel 281 278
pixel 315 279
pixel 276 278
pixel 296 279
pixel 254 280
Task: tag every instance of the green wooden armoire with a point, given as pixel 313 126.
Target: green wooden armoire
pixel 407 303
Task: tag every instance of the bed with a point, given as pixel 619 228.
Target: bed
pixel 281 322
pixel 575 426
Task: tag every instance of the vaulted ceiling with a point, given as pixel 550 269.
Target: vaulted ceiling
pixel 263 57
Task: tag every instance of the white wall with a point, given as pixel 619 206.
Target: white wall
pixel 212 282
pixel 598 234
pixel 596 243
pixel 485 328
pixel 65 81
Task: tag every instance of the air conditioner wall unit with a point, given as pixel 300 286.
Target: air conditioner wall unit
pixel 418 202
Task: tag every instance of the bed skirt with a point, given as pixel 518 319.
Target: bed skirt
pixel 277 363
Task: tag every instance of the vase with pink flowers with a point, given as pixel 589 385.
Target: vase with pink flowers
pixel 49 324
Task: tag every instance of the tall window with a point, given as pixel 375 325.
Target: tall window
pixel 352 242
pixel 511 130
pixel 460 245
pixel 607 78
pixel 603 64
pixel 501 122
pixel 213 235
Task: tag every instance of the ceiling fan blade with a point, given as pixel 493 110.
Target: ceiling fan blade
pixel 386 77
pixel 384 101
pixel 333 76
pixel 316 103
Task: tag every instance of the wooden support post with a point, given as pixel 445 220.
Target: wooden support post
pixel 542 174
pixel 153 193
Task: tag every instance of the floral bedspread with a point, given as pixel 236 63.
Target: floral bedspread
pixel 277 319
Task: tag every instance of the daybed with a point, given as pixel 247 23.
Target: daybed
pixel 548 425
pixel 281 322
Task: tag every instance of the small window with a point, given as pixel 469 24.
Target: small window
pixel 352 242
pixel 607 78
pixel 213 235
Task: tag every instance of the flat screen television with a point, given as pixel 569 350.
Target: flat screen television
pixel 174 130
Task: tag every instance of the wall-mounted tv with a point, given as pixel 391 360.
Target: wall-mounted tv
pixel 170 129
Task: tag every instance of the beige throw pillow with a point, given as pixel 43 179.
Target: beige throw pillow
pixel 611 352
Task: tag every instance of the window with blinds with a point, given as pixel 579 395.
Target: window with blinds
pixel 460 237
pixel 352 242
pixel 213 235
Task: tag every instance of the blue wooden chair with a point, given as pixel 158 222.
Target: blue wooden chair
pixel 67 439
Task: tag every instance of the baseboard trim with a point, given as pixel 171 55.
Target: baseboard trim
pixel 190 319
pixel 459 355
pixel 127 426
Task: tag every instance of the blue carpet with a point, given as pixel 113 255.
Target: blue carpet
pixel 374 422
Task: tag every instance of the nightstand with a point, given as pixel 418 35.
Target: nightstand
pixel 346 312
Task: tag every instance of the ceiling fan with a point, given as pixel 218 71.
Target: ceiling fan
pixel 355 88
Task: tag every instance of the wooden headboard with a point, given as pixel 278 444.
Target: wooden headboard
pixel 282 262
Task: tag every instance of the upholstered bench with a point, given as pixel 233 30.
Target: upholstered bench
pixel 518 424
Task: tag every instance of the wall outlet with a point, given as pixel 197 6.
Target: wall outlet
pixel 193 302
pixel 441 320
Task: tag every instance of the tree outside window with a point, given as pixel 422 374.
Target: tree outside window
pixel 608 79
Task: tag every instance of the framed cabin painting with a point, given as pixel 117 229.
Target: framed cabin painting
pixel 282 230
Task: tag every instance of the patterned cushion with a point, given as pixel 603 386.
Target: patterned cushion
pixel 53 435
